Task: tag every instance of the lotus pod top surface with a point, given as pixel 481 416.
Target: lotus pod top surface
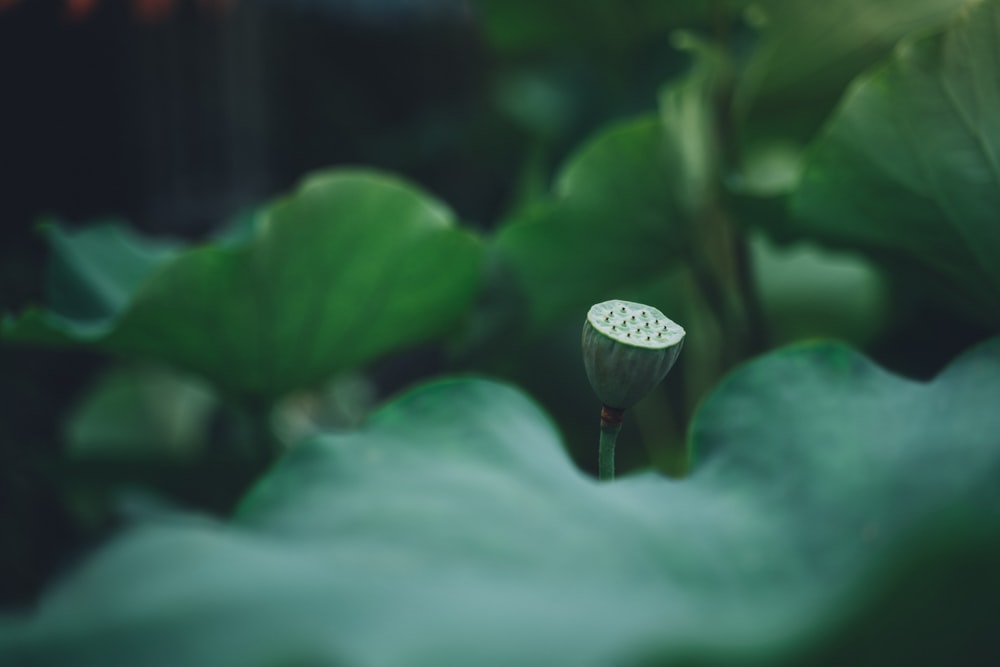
pixel 635 324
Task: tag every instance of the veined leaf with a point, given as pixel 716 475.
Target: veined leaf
pixel 351 266
pixel 908 168
pixel 809 51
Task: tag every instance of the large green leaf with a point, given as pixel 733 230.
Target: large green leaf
pixel 626 207
pixel 908 167
pixel 828 509
pixel 349 267
pixel 809 51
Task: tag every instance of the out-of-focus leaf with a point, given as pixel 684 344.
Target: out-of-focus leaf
pixel 141 413
pixel 568 253
pixel 542 104
pixel 95 271
pixel 625 206
pixel 807 292
pixel 769 169
pixel 351 266
pixel 809 51
pixel 452 530
pixel 908 168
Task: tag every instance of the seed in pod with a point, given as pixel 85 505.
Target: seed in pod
pixel 623 368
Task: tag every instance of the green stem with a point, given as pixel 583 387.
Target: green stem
pixel 721 305
pixel 611 424
pixel 606 461
pixel 756 324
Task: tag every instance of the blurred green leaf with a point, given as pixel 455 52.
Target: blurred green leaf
pixel 541 104
pixel 452 530
pixel 809 51
pixel 351 266
pixel 769 169
pixel 95 271
pixel 908 167
pixel 570 252
pixel 808 292
pixel 625 206
pixel 141 413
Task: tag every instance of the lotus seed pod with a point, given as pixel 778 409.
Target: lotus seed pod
pixel 628 349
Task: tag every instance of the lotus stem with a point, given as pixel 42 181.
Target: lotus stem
pixel 611 425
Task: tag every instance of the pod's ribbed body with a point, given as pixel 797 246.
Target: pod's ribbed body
pixel 628 348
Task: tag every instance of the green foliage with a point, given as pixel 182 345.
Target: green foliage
pixel 351 266
pixel 626 208
pixel 454 522
pixel 908 169
pixel 809 292
pixel 809 52
pixel 586 245
pixel 140 413
pixel 826 511
pixel 96 270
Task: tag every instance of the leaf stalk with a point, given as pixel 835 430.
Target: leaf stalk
pixel 611 425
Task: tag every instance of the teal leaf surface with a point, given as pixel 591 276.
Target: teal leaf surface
pixel 95 271
pixel 828 507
